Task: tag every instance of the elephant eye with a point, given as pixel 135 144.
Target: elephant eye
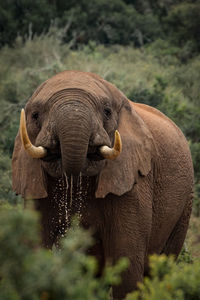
pixel 107 112
pixel 35 115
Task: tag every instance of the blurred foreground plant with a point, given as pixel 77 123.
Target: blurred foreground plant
pixel 29 272
pixel 169 281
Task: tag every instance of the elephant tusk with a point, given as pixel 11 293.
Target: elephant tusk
pixel 112 153
pixel 33 151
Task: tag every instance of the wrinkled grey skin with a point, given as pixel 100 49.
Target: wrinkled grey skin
pixel 137 204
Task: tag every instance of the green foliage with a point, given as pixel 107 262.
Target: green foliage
pixel 193 236
pixel 25 17
pixel 182 24
pixel 6 194
pixel 185 255
pixel 29 272
pixel 108 22
pixel 121 22
pixel 169 281
pixel 184 114
pixel 153 97
pixel 187 78
pixel 196 203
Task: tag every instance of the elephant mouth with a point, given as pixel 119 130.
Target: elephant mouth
pixel 94 162
pixel 52 156
pixel 94 154
pixel 52 162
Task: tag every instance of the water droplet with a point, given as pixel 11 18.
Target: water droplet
pixel 71 190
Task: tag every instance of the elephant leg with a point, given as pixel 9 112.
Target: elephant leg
pixel 134 273
pixel 129 278
pixel 97 251
pixel 126 233
pixel 177 237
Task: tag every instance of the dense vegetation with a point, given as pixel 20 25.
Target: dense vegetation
pixel 56 275
pixel 151 51
pixel 125 22
pixel 169 281
pixel 28 272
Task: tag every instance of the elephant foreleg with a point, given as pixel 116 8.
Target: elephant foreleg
pixel 97 251
pixel 177 237
pixel 134 273
pixel 126 233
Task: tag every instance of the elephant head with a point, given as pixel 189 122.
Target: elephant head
pixel 72 124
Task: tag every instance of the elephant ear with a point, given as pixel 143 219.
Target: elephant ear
pixel 119 176
pixel 27 174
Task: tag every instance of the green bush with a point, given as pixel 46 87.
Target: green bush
pixel 196 203
pixel 107 22
pixel 153 97
pixel 187 78
pixel 25 17
pixel 29 272
pixel 6 194
pixel 111 22
pixel 185 255
pixel 184 114
pixel 182 25
pixel 169 281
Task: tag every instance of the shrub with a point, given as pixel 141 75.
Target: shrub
pixel 182 24
pixel 29 272
pixel 107 22
pixel 169 281
pixel 153 97
pixel 6 194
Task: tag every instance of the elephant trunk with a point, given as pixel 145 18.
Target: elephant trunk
pixel 73 130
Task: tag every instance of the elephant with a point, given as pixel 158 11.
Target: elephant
pixel 124 167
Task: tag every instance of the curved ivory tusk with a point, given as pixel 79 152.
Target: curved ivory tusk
pixel 33 151
pixel 112 153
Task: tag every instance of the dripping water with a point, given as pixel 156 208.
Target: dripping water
pixel 71 190
pixel 69 196
pixel 65 202
pixel 66 181
pixel 79 195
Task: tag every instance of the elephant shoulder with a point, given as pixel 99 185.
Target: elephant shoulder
pixel 169 140
pixel 149 112
pixel 157 122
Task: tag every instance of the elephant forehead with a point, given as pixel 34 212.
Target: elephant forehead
pixel 80 81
